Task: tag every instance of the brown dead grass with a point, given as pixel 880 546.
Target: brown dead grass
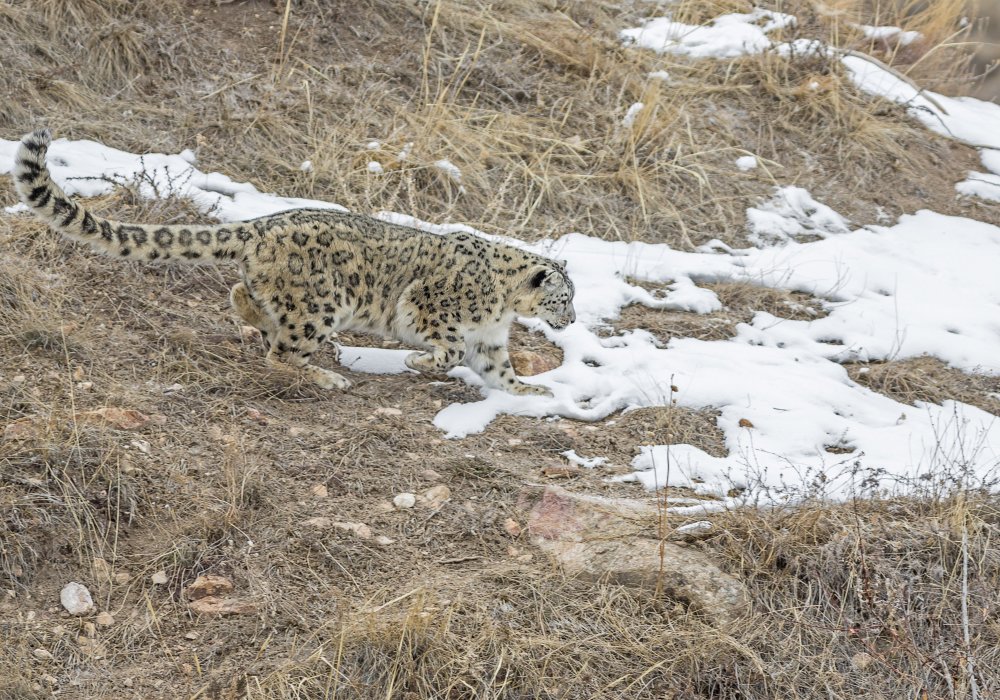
pixel 930 380
pixel 740 301
pixel 526 99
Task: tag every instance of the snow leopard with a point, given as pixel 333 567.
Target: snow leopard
pixel 306 274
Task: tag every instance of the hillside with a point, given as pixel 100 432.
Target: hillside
pixel 783 225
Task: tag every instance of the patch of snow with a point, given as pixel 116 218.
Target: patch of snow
pixel 903 38
pixel 374 360
pixel 373 145
pixel 306 166
pixel 452 171
pixel 659 75
pixel 89 169
pixel 633 111
pixel 983 185
pixel 405 153
pixel 449 169
pixel 746 163
pixel 584 462
pixel 188 156
pixel 727 36
pixel 790 213
pixel 375 167
pixel 965 118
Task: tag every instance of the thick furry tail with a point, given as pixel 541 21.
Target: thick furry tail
pixel 142 242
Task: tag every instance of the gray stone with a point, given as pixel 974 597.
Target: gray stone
pixel 597 538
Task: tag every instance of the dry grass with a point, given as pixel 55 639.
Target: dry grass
pixel 930 380
pixel 527 100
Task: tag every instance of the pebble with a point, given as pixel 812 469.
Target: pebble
pixel 404 500
pixel 209 584
pixel 76 599
pixel 159 578
pixel 360 530
pixel 320 491
pixel 512 527
pixel 321 522
pixel 388 411
pixel 105 619
pixel 42 654
pixel 436 496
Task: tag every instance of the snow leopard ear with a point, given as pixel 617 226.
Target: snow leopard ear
pixel 545 278
pixel 538 277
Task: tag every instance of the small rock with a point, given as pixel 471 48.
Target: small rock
pixel 42 654
pixel 121 418
pixel 360 530
pixel 159 578
pixel 76 598
pixel 84 386
pixel 528 363
pixel 384 541
pixel 436 496
pixel 105 619
pixel 209 585
pixel 319 491
pixel 22 429
pixel 320 523
pixel 512 528
pixel 50 680
pixel 699 530
pixel 524 558
pixel 191 635
pixel 256 416
pixel 296 431
pixel 404 500
pixel 213 605
pixel 18 379
pixel 122 577
pixel 430 475
pixel 388 411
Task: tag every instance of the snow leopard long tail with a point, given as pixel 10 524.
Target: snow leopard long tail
pixel 190 243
